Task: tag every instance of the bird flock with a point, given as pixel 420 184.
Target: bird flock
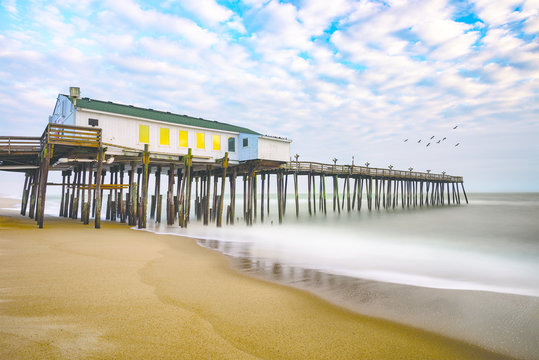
pixel 433 139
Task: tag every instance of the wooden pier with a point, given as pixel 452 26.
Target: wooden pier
pixel 85 163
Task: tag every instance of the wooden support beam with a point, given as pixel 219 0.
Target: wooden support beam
pixel 189 185
pixel 360 193
pixel 233 196
pixel 83 194
pixel 314 194
pixel 221 201
pixel 62 198
pixel 464 192
pixel 87 205
pixel 45 162
pixel 309 194
pixel 98 191
pixel 214 199
pixel 348 204
pixel 206 208
pixel 354 193
pixel 262 187
pixel 145 177
pixel 170 195
pixel 285 192
pixel 323 180
pixel 255 200
pixel 296 199
pixel 33 195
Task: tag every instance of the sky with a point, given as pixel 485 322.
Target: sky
pixel 343 79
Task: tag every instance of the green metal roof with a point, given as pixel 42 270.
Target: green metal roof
pixel 129 110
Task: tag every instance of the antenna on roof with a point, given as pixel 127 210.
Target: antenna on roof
pixel 74 93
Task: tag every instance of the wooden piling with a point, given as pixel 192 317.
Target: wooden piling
pixel 170 195
pixel 255 199
pixel 87 205
pixel 464 192
pixel 233 196
pixel 323 180
pixel 145 176
pixel 296 193
pixel 221 201
pixel 45 161
pixel 262 187
pixel 309 194
pixel 314 195
pixel 33 195
pixel 98 193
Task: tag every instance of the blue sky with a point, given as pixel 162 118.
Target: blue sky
pixel 340 78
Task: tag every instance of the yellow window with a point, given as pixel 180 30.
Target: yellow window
pixel 216 142
pixel 182 136
pixel 163 136
pixel 200 140
pixel 143 134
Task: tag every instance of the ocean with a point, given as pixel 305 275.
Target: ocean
pixel 469 271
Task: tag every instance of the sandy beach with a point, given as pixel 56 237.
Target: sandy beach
pixel 69 291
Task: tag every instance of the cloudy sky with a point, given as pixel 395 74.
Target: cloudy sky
pixel 341 78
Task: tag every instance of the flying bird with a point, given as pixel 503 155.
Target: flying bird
pixel 456 126
pixel 457 144
pixel 406 140
pixel 444 138
pixel 437 142
pixel 428 145
pixel 419 141
pixel 432 137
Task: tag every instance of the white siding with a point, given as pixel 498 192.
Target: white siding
pixel 273 149
pixel 124 131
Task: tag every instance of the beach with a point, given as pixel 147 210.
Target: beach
pixel 69 291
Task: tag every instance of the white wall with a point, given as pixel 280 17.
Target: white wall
pixel 124 131
pixel 273 149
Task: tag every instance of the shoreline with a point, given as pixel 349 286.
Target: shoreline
pixel 68 289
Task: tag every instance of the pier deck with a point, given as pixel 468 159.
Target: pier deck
pixel 84 160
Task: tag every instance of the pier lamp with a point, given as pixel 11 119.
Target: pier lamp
pixel 352 161
pixel 334 161
pixel 443 173
pixel 296 156
pixel 390 167
pixel 367 164
pixel 428 171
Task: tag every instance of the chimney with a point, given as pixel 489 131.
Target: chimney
pixel 74 93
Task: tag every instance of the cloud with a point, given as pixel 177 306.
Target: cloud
pixel 208 11
pixel 355 76
pixel 10 6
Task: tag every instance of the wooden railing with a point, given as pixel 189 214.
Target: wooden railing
pixel 71 135
pixel 314 167
pixel 20 144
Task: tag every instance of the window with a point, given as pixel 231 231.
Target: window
pixel 164 136
pixel 245 142
pixel 216 142
pixel 231 144
pixel 143 134
pixel 182 138
pixel 93 122
pixel 200 140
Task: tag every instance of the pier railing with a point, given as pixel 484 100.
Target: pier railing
pixel 71 135
pixel 19 144
pixel 329 169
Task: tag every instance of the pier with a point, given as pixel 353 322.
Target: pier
pixel 94 172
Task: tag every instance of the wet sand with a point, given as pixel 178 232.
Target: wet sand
pixel 69 291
